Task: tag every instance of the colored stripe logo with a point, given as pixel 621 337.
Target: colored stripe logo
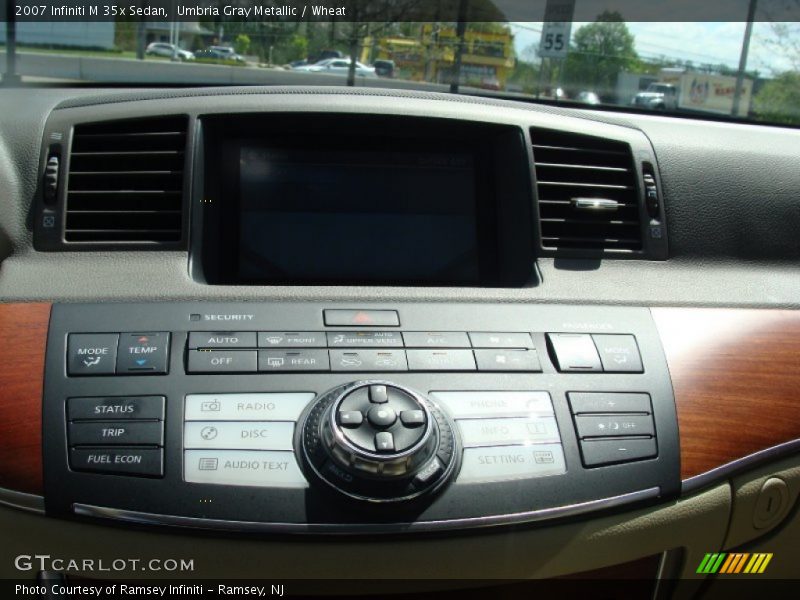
pixel 734 563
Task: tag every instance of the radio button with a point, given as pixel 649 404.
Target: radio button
pixel 475 405
pixel 499 432
pixel 614 425
pixel 123 432
pixel 574 352
pixel 222 339
pixel 222 361
pixel 436 339
pixel 143 353
pixel 292 339
pixel 619 353
pixel 121 461
pixel 440 360
pixel 256 468
pixel 606 452
pixel 247 435
pixel 276 406
pixel 508 360
pixel 511 462
pixel 482 339
pixel 116 408
pixel 92 353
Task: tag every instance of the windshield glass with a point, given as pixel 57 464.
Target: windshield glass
pixel 723 69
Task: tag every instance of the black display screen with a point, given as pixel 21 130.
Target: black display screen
pixel 357 215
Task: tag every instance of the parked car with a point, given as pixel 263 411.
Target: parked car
pixel 168 50
pixel 384 68
pixel 220 53
pixel 338 65
pixel 587 98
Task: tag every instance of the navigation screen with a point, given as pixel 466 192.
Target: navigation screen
pixel 357 216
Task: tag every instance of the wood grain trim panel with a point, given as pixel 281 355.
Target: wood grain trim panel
pixel 24 332
pixel 736 376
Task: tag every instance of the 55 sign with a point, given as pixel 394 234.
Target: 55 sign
pixel 557 28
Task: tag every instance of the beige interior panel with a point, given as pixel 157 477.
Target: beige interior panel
pixel 698 523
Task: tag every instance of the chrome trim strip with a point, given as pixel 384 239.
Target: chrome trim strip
pixel 88 510
pixel 22 500
pixel 709 478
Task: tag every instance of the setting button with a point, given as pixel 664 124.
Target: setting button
pixel 574 352
pixel 222 361
pixel 511 462
pixel 143 353
pixel 619 353
pixel 222 339
pixel 116 407
pixel 122 461
pixel 606 452
pixel 482 339
pixel 92 353
pixel 614 425
pixel 381 417
pixel 508 360
pixel 123 432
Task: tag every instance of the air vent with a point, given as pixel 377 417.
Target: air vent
pixel 587 193
pixel 126 182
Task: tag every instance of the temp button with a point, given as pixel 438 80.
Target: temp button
pixel 511 462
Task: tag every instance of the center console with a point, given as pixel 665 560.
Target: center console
pixel 312 417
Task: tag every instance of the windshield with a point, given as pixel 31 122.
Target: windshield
pixel 721 69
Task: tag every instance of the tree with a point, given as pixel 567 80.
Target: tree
pixel 242 43
pixel 598 53
pixel 778 101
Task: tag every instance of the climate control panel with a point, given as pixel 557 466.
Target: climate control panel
pixel 313 418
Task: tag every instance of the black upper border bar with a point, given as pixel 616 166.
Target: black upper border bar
pixel 221 11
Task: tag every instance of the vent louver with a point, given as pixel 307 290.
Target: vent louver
pixel 125 182
pixel 587 192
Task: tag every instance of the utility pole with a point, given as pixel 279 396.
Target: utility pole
pixel 461 30
pixel 748 32
pixel 11 77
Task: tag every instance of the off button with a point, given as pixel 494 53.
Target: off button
pixel 92 353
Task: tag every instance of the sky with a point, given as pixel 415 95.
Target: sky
pixel 713 43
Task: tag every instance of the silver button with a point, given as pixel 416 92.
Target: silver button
pixel 475 405
pixel 231 435
pixel 243 467
pixel 278 406
pixel 511 462
pixel 497 432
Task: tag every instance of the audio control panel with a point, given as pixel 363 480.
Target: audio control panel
pixel 316 418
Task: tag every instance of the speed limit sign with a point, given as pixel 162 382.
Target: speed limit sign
pixel 557 28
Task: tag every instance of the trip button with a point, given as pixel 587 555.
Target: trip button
pixel 116 407
pixel 222 361
pixel 222 339
pixel 143 353
pixel 508 360
pixel 124 432
pixel 614 425
pixel 574 352
pixel 618 353
pixel 122 461
pixel 606 452
pixel 92 353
